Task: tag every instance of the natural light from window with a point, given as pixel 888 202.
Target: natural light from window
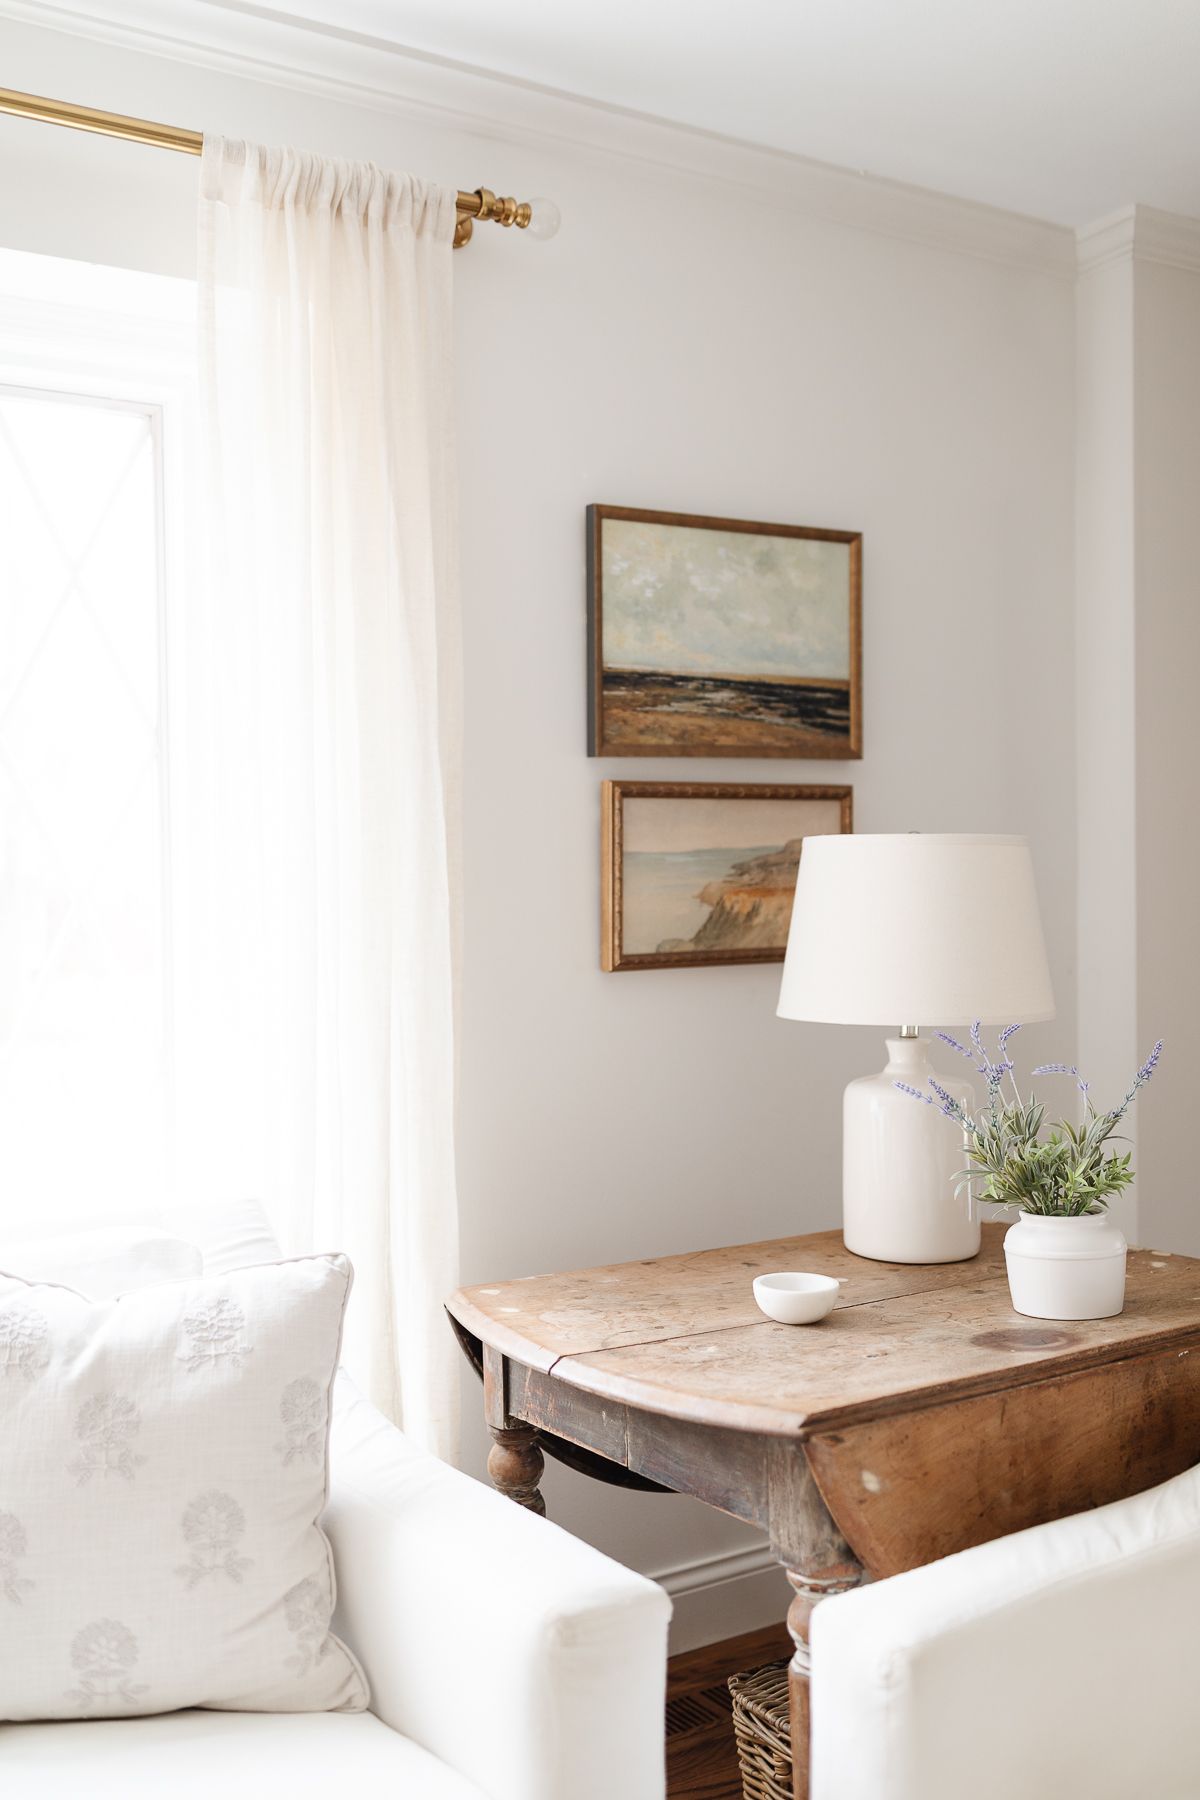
pixel 84 897
pixel 81 792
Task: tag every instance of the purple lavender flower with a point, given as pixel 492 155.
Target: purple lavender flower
pixel 1143 1075
pixel 950 1105
pixel 1064 1069
pixel 916 1093
pixel 993 1072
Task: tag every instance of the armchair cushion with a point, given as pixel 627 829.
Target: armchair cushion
pixel 206 1755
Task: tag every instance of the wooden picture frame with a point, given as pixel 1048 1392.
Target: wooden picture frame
pixel 748 644
pixel 747 885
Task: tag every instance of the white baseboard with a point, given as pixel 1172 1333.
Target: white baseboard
pixel 721 1595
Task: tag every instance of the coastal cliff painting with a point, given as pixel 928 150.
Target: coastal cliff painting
pixel 721 637
pixel 698 873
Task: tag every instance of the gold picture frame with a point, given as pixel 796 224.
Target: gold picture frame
pixel 722 637
pixel 715 869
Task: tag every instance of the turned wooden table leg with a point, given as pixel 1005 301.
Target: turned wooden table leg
pixel 515 1460
pixel 808 1590
pixel 818 1562
pixel 515 1463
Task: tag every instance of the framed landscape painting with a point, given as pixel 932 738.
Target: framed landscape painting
pixel 699 873
pixel 719 637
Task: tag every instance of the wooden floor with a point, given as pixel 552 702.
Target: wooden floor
pixel 701 1760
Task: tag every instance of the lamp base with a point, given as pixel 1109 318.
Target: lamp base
pixel 899 1164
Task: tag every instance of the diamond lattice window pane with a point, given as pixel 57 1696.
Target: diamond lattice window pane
pixel 82 1009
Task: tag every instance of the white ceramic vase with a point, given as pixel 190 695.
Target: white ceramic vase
pixel 900 1160
pixel 1066 1268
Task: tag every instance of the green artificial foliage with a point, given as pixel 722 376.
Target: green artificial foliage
pixel 1066 1172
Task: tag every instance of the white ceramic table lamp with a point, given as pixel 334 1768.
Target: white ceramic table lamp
pixel 938 929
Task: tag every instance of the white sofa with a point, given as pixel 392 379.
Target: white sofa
pixel 507 1660
pixel 1056 1664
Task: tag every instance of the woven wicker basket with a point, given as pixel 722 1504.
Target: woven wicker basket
pixel 762 1724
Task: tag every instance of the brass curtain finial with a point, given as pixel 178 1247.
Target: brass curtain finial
pixel 481 204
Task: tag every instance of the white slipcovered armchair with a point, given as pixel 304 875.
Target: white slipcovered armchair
pixel 1053 1664
pixel 507 1660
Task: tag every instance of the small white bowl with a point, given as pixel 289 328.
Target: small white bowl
pixel 794 1298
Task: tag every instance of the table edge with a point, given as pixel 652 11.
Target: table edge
pixel 788 1422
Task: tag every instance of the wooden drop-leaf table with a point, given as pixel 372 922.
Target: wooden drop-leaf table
pixel 922 1416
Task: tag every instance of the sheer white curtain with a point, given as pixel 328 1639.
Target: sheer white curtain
pixel 318 719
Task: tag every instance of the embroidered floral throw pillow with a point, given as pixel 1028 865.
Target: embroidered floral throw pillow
pixel 163 1470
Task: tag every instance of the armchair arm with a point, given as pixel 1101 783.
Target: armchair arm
pixel 1057 1661
pixel 520 1656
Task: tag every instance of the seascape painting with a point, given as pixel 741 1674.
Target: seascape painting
pixel 705 873
pixel 718 637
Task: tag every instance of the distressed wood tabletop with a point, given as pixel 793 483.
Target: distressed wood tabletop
pixel 682 1336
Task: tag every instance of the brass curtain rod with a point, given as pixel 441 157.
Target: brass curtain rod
pixel 482 204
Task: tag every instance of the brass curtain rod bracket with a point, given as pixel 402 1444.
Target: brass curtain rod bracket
pixel 481 204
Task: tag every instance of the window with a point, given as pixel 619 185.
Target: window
pixel 85 915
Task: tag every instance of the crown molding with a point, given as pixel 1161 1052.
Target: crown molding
pixel 257 44
pixel 1140 234
pixel 1166 237
pixel 1109 240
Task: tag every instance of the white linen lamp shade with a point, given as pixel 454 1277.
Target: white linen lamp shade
pixel 907 929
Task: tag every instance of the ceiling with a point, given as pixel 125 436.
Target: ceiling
pixel 1063 109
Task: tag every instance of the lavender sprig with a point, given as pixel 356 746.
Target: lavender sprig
pixel 1064 1069
pixel 993 1072
pixel 952 1108
pixel 1139 1081
pixel 948 1104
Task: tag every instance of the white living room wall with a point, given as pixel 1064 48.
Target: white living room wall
pixel 720 331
